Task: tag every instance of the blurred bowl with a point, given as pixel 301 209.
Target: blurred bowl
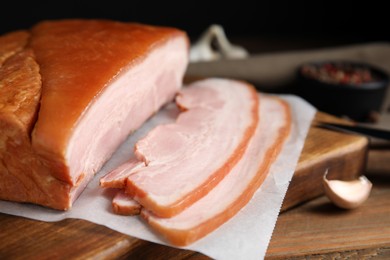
pixel 343 88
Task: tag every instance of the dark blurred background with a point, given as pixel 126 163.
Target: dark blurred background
pixel 262 26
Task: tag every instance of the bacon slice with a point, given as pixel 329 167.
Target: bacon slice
pixel 117 177
pixel 186 159
pixel 123 204
pixel 238 187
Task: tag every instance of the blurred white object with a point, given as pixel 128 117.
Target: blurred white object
pixel 203 49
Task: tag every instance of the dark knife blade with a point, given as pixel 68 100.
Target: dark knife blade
pixel 364 130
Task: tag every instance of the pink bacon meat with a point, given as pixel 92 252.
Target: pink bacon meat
pixel 122 204
pixel 186 159
pixel 238 187
pixel 117 177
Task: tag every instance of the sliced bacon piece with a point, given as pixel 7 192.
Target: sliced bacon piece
pixel 117 177
pixel 238 187
pixel 123 204
pixel 186 159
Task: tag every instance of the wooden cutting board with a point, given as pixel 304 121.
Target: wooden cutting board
pixel 343 154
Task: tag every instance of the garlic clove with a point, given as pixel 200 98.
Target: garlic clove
pixel 347 194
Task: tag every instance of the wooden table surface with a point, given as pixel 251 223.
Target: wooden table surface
pixel 315 229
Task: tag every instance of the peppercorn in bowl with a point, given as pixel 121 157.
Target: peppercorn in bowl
pixel 343 88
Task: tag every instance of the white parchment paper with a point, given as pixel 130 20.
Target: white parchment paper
pixel 245 236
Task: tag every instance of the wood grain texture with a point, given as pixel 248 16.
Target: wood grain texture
pixel 75 239
pixel 379 161
pixel 315 228
pixel 325 149
pixel 319 228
